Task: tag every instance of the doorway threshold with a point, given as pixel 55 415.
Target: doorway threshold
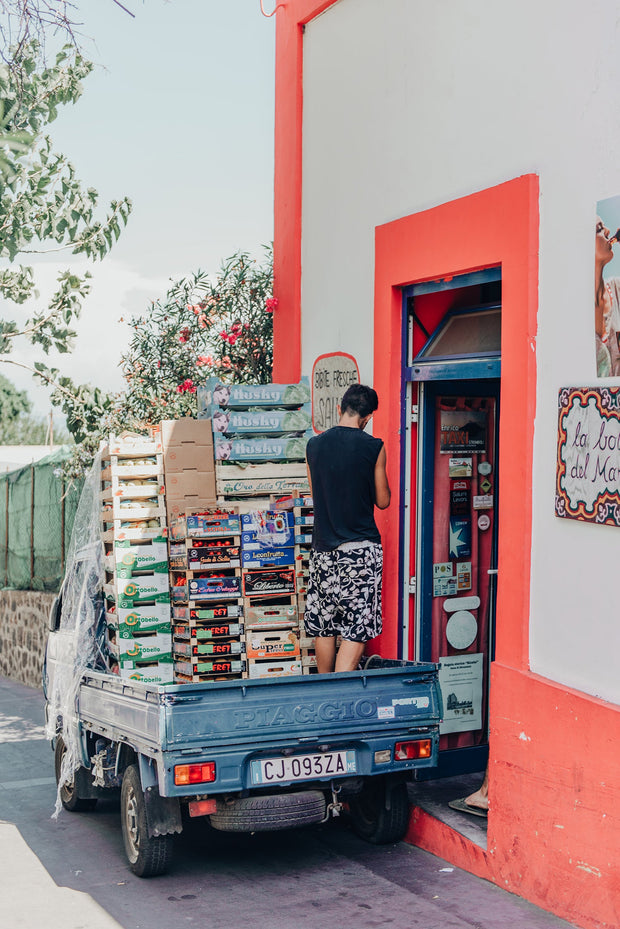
pixel 433 797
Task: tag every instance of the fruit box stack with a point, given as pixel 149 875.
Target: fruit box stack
pixel 260 433
pixel 270 609
pixel 134 530
pixel 188 465
pixel 205 582
pixel 299 508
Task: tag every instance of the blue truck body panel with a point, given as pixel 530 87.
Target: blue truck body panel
pixel 236 724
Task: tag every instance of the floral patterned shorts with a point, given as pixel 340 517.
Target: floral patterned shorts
pixel 344 593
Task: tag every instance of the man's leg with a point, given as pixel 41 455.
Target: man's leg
pixel 325 648
pixel 349 655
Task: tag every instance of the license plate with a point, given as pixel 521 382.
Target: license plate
pixel 303 767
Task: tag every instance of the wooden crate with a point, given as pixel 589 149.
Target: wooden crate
pixel 260 479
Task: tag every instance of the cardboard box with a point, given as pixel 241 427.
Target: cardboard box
pixel 275 644
pixel 186 431
pixel 215 666
pixel 270 582
pixel 205 558
pixel 266 617
pixel 146 556
pixel 284 668
pixel 270 558
pixel 188 458
pixel 178 507
pixel 190 483
pixel 261 422
pixel 152 588
pixel 284 448
pixel 148 645
pixel 214 649
pixel 246 396
pixel 212 523
pixel 263 530
pixel 195 614
pixel 214 588
pixel 197 633
pixel 143 617
pixel 160 671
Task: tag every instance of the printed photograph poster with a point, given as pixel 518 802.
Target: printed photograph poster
pixel 460 678
pixel 463 432
pixel 588 457
pixel 607 287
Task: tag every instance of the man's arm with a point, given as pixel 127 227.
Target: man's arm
pixel 309 478
pixel 382 488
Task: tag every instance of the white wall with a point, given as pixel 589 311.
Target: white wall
pixel 408 104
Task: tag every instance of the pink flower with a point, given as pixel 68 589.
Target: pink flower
pixel 184 335
pixel 271 304
pixel 232 339
pixel 204 360
pixel 236 328
pixel 187 385
pixel 194 309
pixel 226 362
pixel 202 321
pixel 224 335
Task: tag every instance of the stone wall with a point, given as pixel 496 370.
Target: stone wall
pixel 23 634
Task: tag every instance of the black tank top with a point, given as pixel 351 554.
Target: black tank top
pixel 342 469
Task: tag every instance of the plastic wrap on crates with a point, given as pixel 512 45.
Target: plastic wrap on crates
pixel 81 643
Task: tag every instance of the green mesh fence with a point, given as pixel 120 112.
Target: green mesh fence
pixel 37 510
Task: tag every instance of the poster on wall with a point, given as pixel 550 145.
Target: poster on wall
pixel 332 374
pixel 588 457
pixel 607 287
pixel 463 432
pixel 460 678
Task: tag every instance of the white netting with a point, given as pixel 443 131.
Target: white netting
pixel 79 643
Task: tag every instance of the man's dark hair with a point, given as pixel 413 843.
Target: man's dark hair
pixel 359 399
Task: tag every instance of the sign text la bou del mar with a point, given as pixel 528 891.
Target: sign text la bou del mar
pixel 588 463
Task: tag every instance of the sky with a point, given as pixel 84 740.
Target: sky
pixel 177 115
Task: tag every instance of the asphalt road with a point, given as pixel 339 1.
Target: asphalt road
pixel 316 878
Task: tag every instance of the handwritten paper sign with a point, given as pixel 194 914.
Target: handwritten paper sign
pixel 331 376
pixel 588 462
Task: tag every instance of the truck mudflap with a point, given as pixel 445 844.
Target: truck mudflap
pixel 163 814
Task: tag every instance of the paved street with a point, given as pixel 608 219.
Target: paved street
pixel 71 873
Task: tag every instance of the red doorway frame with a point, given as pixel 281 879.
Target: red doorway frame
pixel 457 237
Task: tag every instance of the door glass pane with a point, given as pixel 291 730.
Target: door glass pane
pixel 476 332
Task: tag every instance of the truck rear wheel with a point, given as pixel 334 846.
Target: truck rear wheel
pixel 380 812
pixel 270 812
pixel 69 792
pixel 147 856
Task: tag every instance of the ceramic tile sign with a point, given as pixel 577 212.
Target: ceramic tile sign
pixel 332 374
pixel 460 678
pixel 463 432
pixel 588 458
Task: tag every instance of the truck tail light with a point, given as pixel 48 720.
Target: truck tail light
pixel 405 751
pixel 185 774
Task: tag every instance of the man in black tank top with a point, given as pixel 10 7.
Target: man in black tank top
pixel 347 475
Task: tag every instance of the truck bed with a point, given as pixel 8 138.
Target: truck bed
pixel 234 722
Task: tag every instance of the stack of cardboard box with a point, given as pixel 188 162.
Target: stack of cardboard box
pixel 133 522
pixel 188 465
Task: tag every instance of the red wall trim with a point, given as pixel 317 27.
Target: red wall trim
pixel 290 20
pixel 495 226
